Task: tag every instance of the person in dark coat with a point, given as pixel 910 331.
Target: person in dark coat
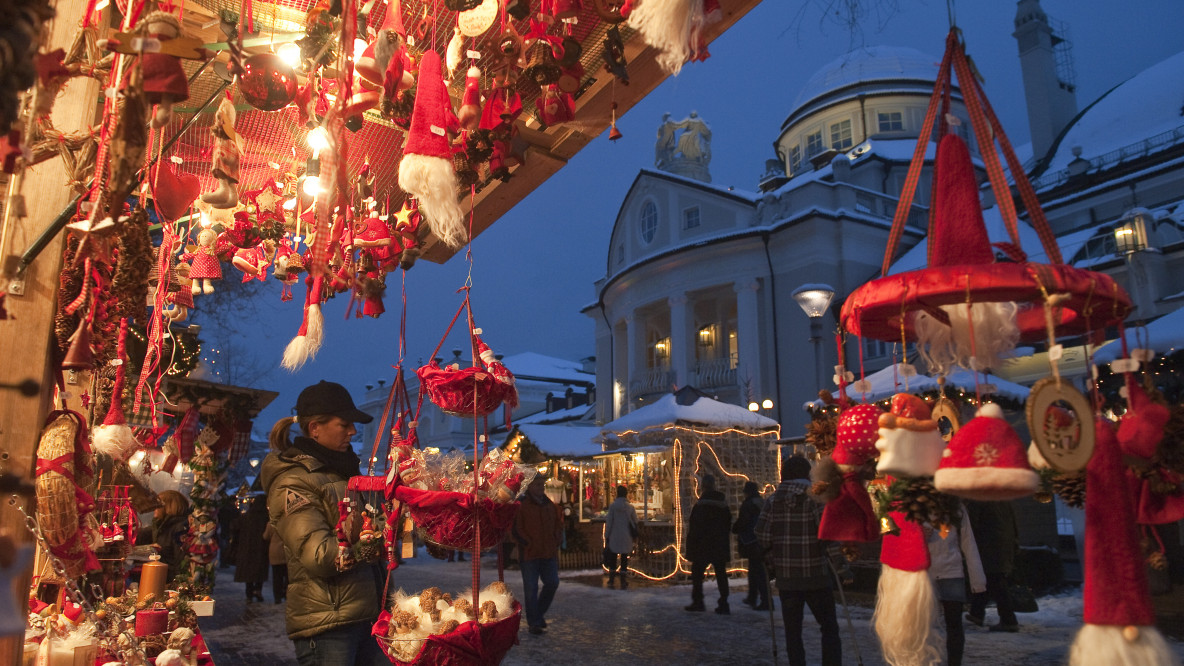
pixel 995 533
pixel 170 522
pixel 227 518
pixel 251 561
pixel 749 547
pixel 709 542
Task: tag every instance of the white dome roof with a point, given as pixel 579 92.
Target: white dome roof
pixel 870 63
pixel 1145 105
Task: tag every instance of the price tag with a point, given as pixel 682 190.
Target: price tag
pixel 176 159
pixel 1144 355
pixel 146 44
pixel 862 386
pixel 475 55
pixel 437 130
pixel 116 362
pixel 907 370
pixel 1056 352
pixel 1124 365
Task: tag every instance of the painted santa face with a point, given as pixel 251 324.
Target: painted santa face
pixel 909 453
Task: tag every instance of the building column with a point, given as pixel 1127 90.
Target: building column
pixel 616 394
pixel 748 340
pixel 635 330
pixel 680 339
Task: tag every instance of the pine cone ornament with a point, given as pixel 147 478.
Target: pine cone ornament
pixel 820 432
pixel 1070 488
pixel 920 501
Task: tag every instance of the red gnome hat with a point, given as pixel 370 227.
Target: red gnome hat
pixel 426 172
pixel 986 461
pixel 469 115
pixel 114 437
pixel 1118 613
pixel 372 64
pixel 850 516
pixel 1141 428
pixel 958 235
pixel 905 600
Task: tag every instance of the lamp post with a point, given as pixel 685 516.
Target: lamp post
pixel 814 300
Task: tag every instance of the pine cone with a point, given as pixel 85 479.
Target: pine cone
pixel 1070 488
pixel 820 432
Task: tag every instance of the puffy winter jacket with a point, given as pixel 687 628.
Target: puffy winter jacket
pixel 302 496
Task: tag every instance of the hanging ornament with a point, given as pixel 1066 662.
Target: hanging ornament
pixel 267 82
pixel 674 28
pixel 1060 420
pixel 227 156
pixel 172 193
pixel 476 21
pixel 614 133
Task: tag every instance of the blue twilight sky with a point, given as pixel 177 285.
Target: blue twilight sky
pixel 534 269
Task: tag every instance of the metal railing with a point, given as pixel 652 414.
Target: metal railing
pixel 652 380
pixel 1138 149
pixel 714 373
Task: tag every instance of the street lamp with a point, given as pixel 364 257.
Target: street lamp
pixel 814 300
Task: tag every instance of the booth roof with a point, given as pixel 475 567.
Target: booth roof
pixel 1163 335
pixel 886 382
pixel 704 411
pixel 563 441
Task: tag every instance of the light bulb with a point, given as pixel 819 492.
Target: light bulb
pixel 318 140
pixel 289 53
pixel 311 186
pixel 359 47
pixel 290 204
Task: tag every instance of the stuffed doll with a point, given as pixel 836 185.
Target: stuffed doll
pixel 177 304
pixel 165 82
pixel 227 157
pixel 204 267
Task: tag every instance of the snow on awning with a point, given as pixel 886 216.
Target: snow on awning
pixel 559 441
pixel 704 411
pixel 889 381
pixel 1163 335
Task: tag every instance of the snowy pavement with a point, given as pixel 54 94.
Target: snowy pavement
pixel 592 624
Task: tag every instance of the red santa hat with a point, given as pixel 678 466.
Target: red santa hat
pixel 469 115
pixel 426 171
pixel 114 437
pixel 959 235
pixel 986 461
pixel 1142 427
pixel 850 516
pixel 1118 614
pixel 906 603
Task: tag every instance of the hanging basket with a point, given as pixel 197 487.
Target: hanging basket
pixel 469 644
pixel 452 519
pixel 466 392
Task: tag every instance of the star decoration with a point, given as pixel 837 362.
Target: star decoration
pixel 985 454
pixel 407 219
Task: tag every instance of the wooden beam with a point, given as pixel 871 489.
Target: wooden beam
pixel 26 336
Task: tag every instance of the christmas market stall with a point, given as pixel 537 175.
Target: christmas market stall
pixel 662 450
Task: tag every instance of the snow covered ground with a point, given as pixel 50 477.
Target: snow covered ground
pixel 646 624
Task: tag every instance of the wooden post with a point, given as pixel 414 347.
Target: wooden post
pixel 25 337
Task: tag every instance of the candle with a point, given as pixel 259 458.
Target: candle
pixel 153 576
pixel 152 621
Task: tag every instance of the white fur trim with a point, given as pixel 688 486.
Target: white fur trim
pixel 432 182
pixel 670 26
pixel 1100 645
pixel 991 410
pixel 117 441
pixel 303 348
pixel 989 484
pixel 906 608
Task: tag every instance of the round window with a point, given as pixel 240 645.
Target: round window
pixel 649 222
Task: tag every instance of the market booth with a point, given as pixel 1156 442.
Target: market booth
pixel 660 452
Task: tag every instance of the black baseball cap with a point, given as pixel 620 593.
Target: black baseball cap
pixel 329 399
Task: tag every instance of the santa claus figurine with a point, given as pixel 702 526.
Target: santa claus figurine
pixel 848 514
pixel 910 443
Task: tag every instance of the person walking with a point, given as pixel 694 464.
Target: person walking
pixel 279 563
pixel 620 529
pixel 538 529
pixel 788 529
pixel 997 539
pixel 333 598
pixel 250 561
pixel 709 542
pixel 950 556
pixel 749 546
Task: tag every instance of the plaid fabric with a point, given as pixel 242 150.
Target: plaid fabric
pixel 186 433
pixel 242 440
pixel 788 530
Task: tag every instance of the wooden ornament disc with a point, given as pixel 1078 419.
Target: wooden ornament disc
pixel 1061 421
pixel 946 410
pixel 476 21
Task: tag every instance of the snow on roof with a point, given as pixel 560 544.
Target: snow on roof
pixel 889 381
pixel 563 441
pixel 870 63
pixel 1164 335
pixel 537 365
pixel 557 416
pixel 704 411
pixel 1129 113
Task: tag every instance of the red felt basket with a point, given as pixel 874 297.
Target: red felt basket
pixel 465 392
pixel 453 520
pixel 469 644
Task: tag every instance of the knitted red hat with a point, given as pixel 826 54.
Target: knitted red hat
pixel 986 461
pixel 1115 577
pixel 856 435
pixel 433 115
pixel 469 115
pixel 1141 428
pixel 958 234
pixel 906 551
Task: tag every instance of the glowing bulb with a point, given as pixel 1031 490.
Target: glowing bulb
pixel 311 186
pixel 318 140
pixel 767 404
pixel 359 47
pixel 289 53
pixel 752 406
pixel 205 221
pixel 290 204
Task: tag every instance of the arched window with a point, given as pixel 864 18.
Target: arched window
pixel 649 222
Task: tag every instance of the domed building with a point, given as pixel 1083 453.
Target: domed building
pixel 700 280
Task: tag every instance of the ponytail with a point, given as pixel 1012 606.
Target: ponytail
pixel 280 438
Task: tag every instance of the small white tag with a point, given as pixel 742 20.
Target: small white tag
pixel 437 130
pixel 481 439
pixel 862 386
pixel 146 44
pixel 1056 352
pixel 274 165
pixel 1144 355
pixel 176 159
pixel 116 362
pixel 1123 365
pixel 475 55
pixel 907 370
pixel 110 93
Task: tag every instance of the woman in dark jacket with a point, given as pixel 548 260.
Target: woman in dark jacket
pixel 745 530
pixel 170 522
pixel 251 554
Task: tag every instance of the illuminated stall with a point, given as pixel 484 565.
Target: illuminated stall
pixel 660 452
